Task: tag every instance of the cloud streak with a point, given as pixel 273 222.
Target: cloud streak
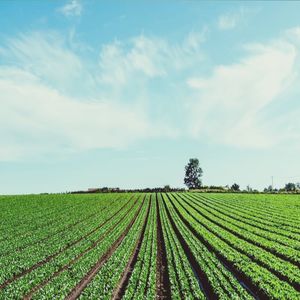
pixel 42 113
pixel 37 118
pixel 72 8
pixel 230 104
pixel 230 20
pixel 149 57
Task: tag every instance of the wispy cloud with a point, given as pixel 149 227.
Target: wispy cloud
pixel 231 103
pixel 72 8
pixel 40 114
pixel 54 100
pixel 36 119
pixel 45 55
pixel 230 20
pixel 148 57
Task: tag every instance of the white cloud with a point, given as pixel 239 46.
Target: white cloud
pixel 195 39
pixel 46 56
pixel 53 99
pixel 229 105
pixel 145 57
pixel 35 118
pixel 293 34
pixel 40 114
pixel 230 20
pixel 227 22
pixel 72 8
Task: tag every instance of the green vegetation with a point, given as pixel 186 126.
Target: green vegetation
pixel 193 173
pixel 178 245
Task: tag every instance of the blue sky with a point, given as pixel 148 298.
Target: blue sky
pixel 123 94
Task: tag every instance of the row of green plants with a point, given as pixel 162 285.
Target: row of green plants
pixel 242 260
pixel 183 282
pixel 142 282
pixel 77 216
pixel 66 249
pixel 220 281
pixel 16 262
pixel 260 238
pixel 276 208
pixel 33 213
pixel 61 285
pixel 281 268
pixel 109 275
pixel 237 212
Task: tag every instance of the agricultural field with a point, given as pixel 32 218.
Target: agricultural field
pixel 150 246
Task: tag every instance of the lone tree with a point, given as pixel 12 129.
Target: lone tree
pixel 235 187
pixel 192 174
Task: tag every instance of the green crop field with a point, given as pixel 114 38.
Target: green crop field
pixel 148 246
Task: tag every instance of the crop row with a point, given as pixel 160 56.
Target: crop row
pixel 237 255
pixel 143 277
pixel 70 250
pixel 246 232
pixel 16 263
pixel 260 226
pixel 282 269
pixel 274 208
pixel 35 226
pixel 183 280
pixel 217 280
pixel 41 238
pixel 26 219
pixel 77 270
pixel 107 277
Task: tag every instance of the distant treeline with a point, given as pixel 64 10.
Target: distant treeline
pixel 118 190
pixel 167 188
pixel 290 189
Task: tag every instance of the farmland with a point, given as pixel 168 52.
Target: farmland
pixel 147 246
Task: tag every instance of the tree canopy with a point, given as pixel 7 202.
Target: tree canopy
pixel 193 173
pixel 235 187
pixel 290 187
